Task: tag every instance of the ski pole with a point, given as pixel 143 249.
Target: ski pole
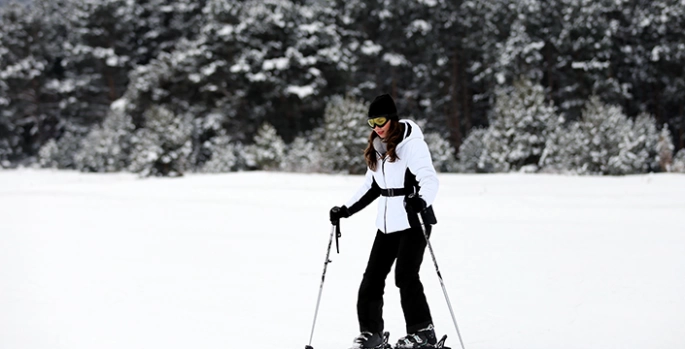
pixel 323 278
pixel 444 290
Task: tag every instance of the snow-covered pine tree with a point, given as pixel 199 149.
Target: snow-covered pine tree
pixel 580 57
pixel 98 57
pixel 223 158
pixel 646 128
pixel 268 59
pixel 651 58
pixel 641 142
pixel 394 41
pixel 605 141
pixel 302 156
pixel 163 146
pixel 456 72
pixel 567 45
pixel 565 150
pixel 198 66
pixel 679 162
pixel 344 136
pixel 205 129
pixel 442 152
pixel 48 154
pixel 107 146
pixel 60 152
pixel 664 149
pixel 471 150
pixel 110 38
pixel 519 54
pixel 603 128
pixel 8 136
pixel 268 149
pixel 30 56
pixel 516 137
pixel 630 158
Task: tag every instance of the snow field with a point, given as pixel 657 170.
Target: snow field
pixel 221 261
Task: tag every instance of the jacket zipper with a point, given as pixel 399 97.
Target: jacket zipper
pixel 385 212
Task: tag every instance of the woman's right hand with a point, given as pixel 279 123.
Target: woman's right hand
pixel 338 212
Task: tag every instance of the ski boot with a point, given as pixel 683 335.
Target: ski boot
pixel 424 338
pixel 368 340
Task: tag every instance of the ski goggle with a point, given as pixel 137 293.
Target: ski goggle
pixel 378 121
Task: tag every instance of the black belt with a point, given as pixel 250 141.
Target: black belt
pixel 395 192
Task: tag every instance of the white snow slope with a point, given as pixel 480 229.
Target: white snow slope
pixel 235 260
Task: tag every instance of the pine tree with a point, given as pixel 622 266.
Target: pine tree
pixel 9 138
pixel 650 55
pixel 223 156
pixel 644 144
pixel 442 152
pixel 48 154
pixel 664 149
pixel 517 135
pixel 471 150
pixel 302 156
pixel 61 152
pixel 567 45
pixel 109 39
pixel 107 147
pixel 189 73
pixel 163 146
pixel 630 158
pixel 344 136
pixel 30 73
pixel 679 162
pixel 98 58
pixel 205 130
pixel 603 129
pixel 605 141
pixel 268 149
pixel 565 150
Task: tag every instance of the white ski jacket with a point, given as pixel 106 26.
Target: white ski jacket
pixel 412 172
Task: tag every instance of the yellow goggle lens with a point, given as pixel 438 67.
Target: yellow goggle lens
pixel 379 121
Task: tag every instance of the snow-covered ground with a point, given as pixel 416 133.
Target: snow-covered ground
pixel 234 261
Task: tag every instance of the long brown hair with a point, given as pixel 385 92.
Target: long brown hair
pixel 394 137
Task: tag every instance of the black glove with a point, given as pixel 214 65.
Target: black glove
pixel 414 203
pixel 338 212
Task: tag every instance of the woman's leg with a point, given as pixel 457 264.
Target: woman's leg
pixel 412 245
pixel 370 299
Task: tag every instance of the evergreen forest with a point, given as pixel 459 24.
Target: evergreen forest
pixel 167 87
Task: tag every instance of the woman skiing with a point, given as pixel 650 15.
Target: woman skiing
pixel 400 172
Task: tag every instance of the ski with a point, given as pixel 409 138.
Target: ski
pixel 386 345
pixel 441 343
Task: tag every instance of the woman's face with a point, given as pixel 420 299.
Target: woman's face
pixel 381 131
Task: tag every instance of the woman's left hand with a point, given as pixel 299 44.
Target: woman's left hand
pixel 414 202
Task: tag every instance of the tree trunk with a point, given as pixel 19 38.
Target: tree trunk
pixel 681 129
pixel 465 103
pixel 658 115
pixel 37 117
pixel 111 84
pixel 550 70
pixel 454 115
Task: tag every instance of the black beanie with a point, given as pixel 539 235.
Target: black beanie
pixel 383 105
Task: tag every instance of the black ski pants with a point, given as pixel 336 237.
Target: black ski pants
pixel 407 248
